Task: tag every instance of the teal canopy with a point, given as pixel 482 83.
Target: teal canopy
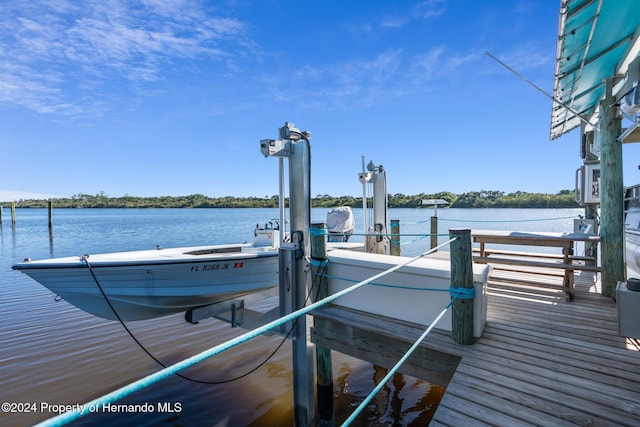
pixel 596 40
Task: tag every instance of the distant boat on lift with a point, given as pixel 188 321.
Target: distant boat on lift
pixel 158 282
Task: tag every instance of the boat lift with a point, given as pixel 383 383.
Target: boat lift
pixel 374 186
pixel 293 253
pixel 375 224
pixel 295 274
pixel 235 311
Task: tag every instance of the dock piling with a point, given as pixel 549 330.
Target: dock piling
pixel 395 237
pixel 50 209
pixel 611 192
pixel 434 231
pixel 13 213
pixel 461 277
pixel 324 371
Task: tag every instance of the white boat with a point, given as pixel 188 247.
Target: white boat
pixel 158 282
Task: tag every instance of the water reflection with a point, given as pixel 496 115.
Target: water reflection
pixel 51 253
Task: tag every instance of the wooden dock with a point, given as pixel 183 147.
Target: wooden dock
pixel 544 361
pixel 541 361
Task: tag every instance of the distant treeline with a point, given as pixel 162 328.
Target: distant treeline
pixel 474 199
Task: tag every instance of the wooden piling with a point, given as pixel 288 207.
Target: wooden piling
pixel 611 195
pixel 461 277
pixel 13 213
pixel 395 237
pixel 324 371
pixel 50 209
pixel 1 209
pixel 434 231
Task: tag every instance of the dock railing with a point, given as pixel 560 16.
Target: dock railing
pixel 461 291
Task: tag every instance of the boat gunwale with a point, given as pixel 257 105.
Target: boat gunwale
pixel 47 265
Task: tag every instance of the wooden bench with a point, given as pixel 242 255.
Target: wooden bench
pixel 564 261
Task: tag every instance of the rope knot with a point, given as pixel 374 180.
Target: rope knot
pixel 462 293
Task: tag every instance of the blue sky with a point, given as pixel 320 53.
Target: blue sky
pixel 171 97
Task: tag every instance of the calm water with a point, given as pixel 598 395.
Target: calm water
pixel 52 353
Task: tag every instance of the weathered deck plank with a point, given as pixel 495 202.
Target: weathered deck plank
pixel 544 361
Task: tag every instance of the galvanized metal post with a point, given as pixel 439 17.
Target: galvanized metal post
pixel 293 266
pixel 461 277
pixel 281 206
pixel 300 216
pixel 611 195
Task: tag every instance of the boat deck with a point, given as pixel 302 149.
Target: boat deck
pixel 544 361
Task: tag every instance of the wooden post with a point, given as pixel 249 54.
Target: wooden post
pixel 13 213
pixel 324 375
pixel 395 237
pixel 0 215
pixel 611 195
pixel 461 277
pixel 434 231
pixel 50 206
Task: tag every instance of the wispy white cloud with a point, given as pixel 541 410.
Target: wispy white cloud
pixel 527 56
pixel 47 46
pixel 439 63
pixel 430 8
pixel 392 74
pixel 425 10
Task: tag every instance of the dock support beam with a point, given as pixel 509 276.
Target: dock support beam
pixel 611 203
pixel 324 369
pixel 461 277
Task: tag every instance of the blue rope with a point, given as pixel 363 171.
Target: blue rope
pixel 318 262
pixel 513 220
pixel 122 392
pixel 462 293
pixel 468 220
pixel 398 234
pixel 395 368
pixel 415 240
pixel 318 231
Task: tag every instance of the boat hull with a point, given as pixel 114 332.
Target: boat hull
pixel 146 284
